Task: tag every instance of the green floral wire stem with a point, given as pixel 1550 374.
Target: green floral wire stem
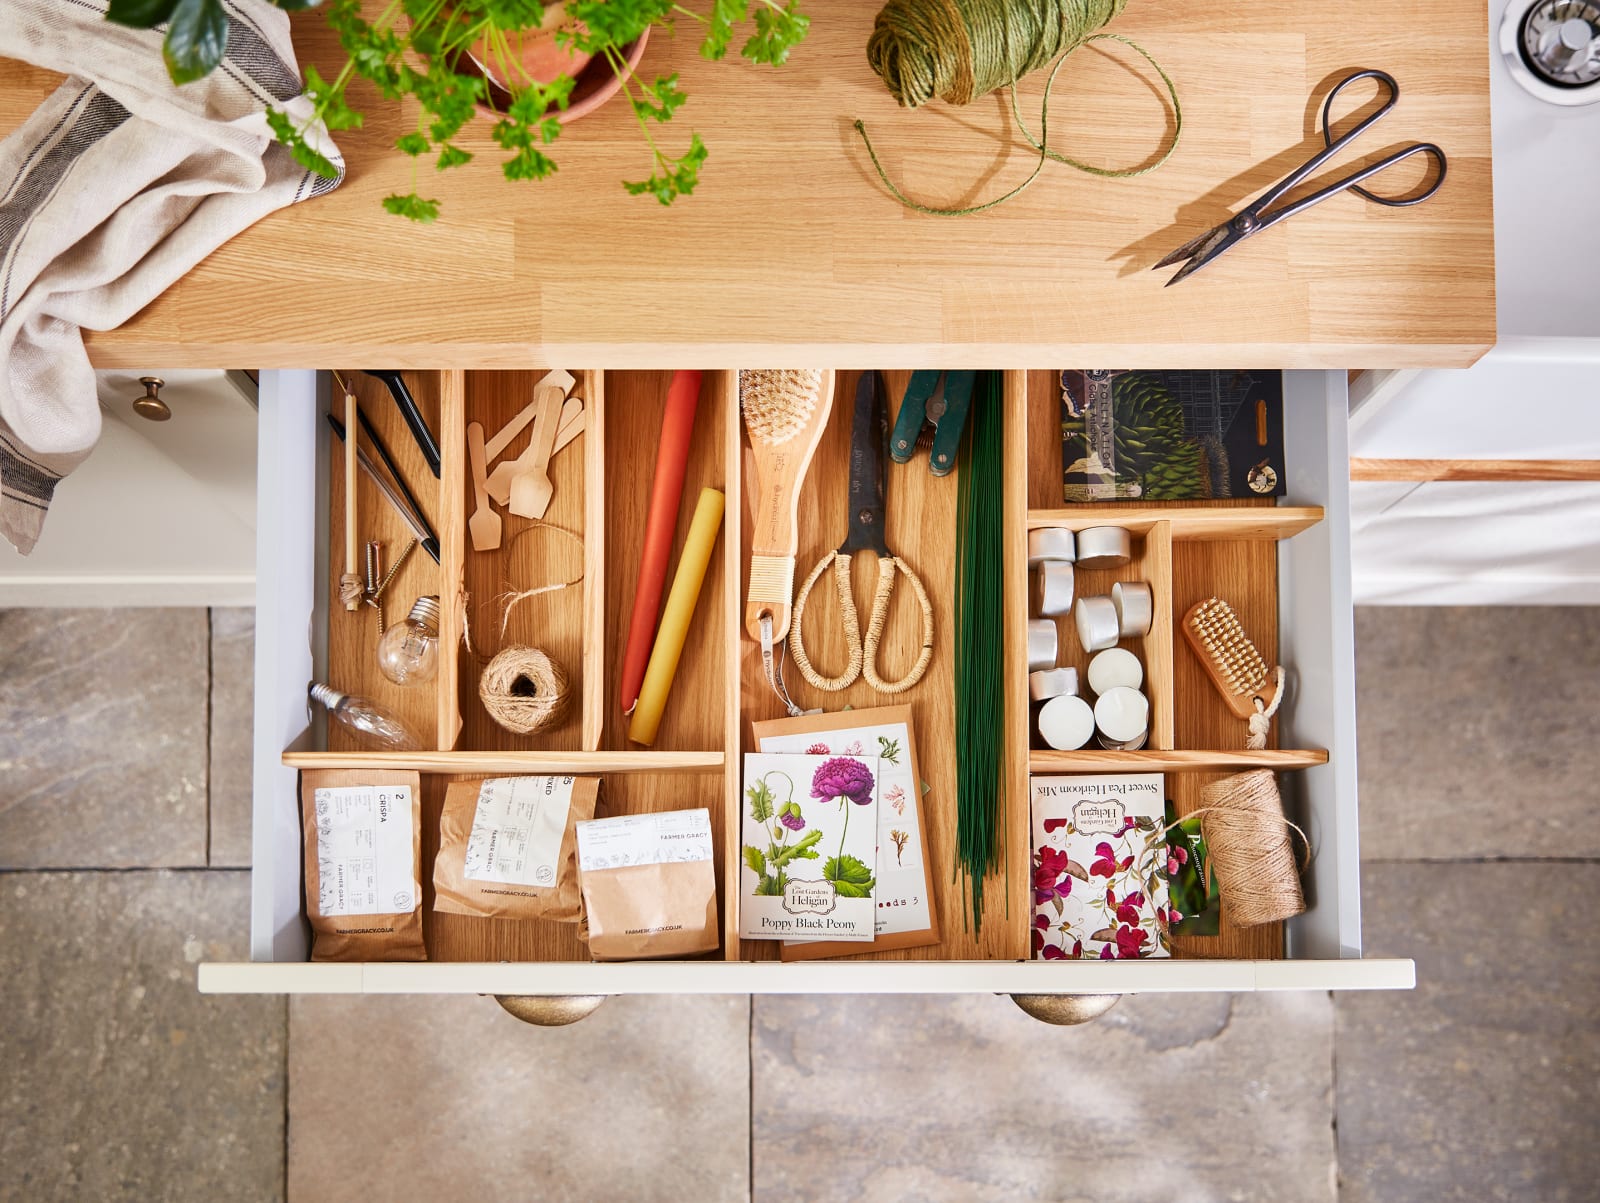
pixel 1041 144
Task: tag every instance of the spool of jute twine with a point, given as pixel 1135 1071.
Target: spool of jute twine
pixel 524 690
pixel 960 50
pixel 1247 840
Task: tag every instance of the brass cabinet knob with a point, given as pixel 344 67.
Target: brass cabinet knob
pixel 550 1010
pixel 151 405
pixel 1066 1009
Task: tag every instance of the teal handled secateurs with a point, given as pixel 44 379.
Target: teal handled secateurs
pixel 932 414
pixel 1267 211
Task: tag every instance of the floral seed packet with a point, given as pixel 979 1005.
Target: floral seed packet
pixel 810 847
pixel 904 898
pixel 1099 867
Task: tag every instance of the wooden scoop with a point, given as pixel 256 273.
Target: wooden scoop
pixel 484 525
pixel 531 489
pixel 499 483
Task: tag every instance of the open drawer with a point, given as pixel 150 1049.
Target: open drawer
pixel 1300 548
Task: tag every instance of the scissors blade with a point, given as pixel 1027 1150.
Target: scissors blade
pixel 869 452
pixel 1201 251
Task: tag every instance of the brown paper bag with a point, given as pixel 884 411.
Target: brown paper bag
pixel 508 848
pixel 363 842
pixel 649 885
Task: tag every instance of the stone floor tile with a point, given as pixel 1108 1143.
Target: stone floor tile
pixel 102 738
pixel 449 1097
pixel 1469 715
pixel 120 1080
pixel 1192 1097
pixel 1484 1082
pixel 233 645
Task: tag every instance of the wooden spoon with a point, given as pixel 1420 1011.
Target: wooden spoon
pixel 513 428
pixel 499 483
pixel 531 489
pixel 484 525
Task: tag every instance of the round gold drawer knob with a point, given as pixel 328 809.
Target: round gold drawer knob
pixel 151 405
pixel 1066 1009
pixel 550 1010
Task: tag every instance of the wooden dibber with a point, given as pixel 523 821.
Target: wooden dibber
pixel 784 413
pixel 484 525
pixel 531 489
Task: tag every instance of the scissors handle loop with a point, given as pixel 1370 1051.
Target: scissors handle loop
pixel 863 652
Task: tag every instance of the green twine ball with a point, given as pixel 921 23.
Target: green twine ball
pixel 959 50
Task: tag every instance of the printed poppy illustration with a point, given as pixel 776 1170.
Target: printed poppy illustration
pixel 789 815
pixel 842 777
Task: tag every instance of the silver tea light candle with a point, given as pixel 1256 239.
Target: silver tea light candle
pixel 1097 623
pixel 1135 609
pixel 1123 717
pixel 1066 723
pixel 1104 547
pixel 1052 587
pixel 1042 644
pixel 1051 543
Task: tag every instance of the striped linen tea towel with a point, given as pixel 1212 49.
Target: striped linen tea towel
pixel 115 187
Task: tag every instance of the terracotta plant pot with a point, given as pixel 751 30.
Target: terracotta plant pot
pixel 594 83
pixel 535 55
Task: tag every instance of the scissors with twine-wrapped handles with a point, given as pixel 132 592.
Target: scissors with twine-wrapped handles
pixel 869 458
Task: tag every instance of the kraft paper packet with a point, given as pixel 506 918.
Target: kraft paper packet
pixel 508 847
pixel 649 885
pixel 363 843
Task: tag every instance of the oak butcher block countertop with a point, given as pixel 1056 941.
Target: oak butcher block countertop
pixel 790 252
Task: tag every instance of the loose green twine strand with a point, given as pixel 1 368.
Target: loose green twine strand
pixel 980 626
pixel 959 50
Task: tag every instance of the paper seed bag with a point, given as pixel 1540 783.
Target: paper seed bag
pixel 363 842
pixel 508 847
pixel 649 885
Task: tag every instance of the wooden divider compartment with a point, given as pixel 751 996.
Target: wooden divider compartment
pixel 565 623
pixel 353 635
pixel 921 528
pixel 1152 564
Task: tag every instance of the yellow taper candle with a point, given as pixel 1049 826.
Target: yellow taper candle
pixel 691 574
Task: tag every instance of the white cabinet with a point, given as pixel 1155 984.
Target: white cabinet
pixel 161 513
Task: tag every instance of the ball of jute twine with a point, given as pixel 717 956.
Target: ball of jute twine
pixel 1247 840
pixel 524 690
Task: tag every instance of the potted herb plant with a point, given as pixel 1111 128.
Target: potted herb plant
pixel 521 59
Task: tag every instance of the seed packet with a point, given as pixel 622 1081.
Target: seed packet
pixel 508 848
pixel 363 842
pixel 649 885
pixel 810 846
pixel 1194 905
pixel 905 914
pixel 1099 867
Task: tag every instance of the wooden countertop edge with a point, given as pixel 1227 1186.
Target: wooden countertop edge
pixel 137 352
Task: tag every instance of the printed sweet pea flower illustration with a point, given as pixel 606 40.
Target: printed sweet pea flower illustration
pixel 1050 877
pixel 1106 864
pixel 846 780
pixel 1128 910
pixel 1130 942
pixel 1177 857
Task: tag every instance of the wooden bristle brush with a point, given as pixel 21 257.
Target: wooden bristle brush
pixel 784 414
pixel 1242 676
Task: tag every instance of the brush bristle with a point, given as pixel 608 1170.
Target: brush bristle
pixel 778 402
pixel 1236 659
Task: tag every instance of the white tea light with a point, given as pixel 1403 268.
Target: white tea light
pixel 1115 668
pixel 1042 644
pixel 1097 623
pixel 1123 717
pixel 1135 609
pixel 1052 587
pixel 1050 683
pixel 1051 543
pixel 1104 547
pixel 1066 723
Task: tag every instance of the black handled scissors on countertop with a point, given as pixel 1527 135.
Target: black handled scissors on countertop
pixel 1262 215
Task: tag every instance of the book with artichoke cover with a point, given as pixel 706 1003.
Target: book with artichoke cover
pixel 1171 436
pixel 1100 867
pixel 810 847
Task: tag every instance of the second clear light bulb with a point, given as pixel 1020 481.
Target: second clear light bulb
pixel 408 653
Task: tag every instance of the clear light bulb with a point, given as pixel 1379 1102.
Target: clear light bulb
pixel 367 719
pixel 408 653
